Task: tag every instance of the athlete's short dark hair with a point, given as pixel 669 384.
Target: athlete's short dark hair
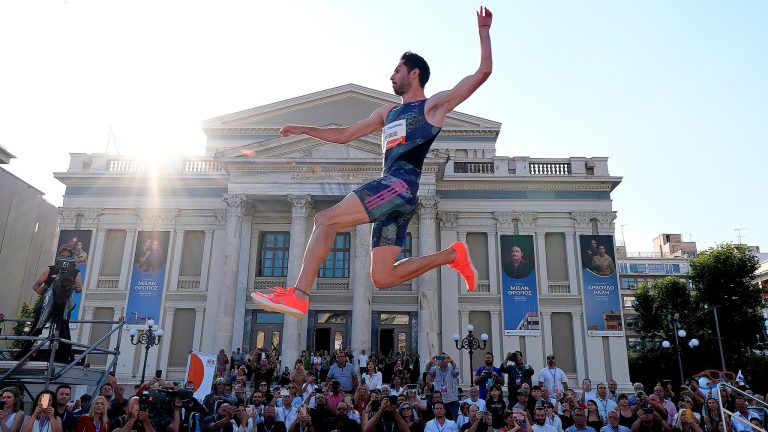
pixel 414 61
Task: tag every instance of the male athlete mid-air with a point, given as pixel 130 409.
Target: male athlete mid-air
pixel 389 202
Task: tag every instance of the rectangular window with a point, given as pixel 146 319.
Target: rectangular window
pixel 337 263
pixel 634 344
pixel 557 262
pixel 623 268
pixel 628 283
pixel 192 254
pixel 628 302
pixel 637 268
pixel 181 343
pixel 673 268
pixel 112 259
pixel 407 251
pixel 478 250
pixel 273 254
pixel 656 268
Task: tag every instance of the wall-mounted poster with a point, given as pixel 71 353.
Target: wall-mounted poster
pixel 80 243
pixel 602 299
pixel 147 279
pixel 520 295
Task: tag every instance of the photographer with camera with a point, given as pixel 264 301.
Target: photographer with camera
pixel 518 373
pixel 479 420
pixel 221 421
pixel 649 420
pixel 387 418
pixel 135 420
pixel 55 285
pixel 487 376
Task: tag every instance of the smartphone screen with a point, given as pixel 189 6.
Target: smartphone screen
pixel 45 400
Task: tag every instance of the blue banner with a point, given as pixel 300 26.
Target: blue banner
pixel 602 299
pixel 147 279
pixel 80 243
pixel 520 296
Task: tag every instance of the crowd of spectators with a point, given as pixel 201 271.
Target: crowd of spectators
pixel 340 392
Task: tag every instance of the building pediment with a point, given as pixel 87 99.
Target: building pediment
pixel 303 147
pixel 342 105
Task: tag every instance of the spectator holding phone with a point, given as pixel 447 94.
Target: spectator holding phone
pixel 42 417
pixel 446 380
pixel 487 376
pixel 518 373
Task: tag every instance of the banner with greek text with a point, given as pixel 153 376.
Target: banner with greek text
pixel 602 299
pixel 520 296
pixel 147 279
pixel 80 243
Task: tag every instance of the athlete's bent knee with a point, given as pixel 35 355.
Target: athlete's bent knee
pixel 383 281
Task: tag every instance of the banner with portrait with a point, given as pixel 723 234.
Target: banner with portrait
pixel 520 296
pixel 147 279
pixel 602 299
pixel 80 243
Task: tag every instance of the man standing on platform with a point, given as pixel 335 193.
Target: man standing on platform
pixel 344 372
pixel 488 375
pixel 408 131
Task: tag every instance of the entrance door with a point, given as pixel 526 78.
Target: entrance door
pixel 323 339
pixel 267 336
pixel 386 341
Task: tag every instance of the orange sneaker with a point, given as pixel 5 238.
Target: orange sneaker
pixel 463 265
pixel 283 300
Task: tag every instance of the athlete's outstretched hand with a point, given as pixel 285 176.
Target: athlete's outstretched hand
pixel 290 129
pixel 484 17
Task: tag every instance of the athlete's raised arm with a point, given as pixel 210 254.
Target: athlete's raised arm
pixel 344 134
pixel 440 104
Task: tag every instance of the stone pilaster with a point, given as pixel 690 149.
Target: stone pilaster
pixel 294 329
pixel 363 288
pixel 225 317
pixel 429 343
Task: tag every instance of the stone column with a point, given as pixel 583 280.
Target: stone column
pixel 450 286
pixel 578 339
pixel 242 282
pixel 429 300
pixel 294 329
pixel 545 318
pixel 362 294
pixel 225 316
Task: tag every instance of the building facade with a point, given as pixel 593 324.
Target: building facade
pixel 635 270
pixel 238 219
pixel 27 244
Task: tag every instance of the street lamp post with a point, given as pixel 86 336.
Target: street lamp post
pixel 470 343
pixel 679 333
pixel 149 338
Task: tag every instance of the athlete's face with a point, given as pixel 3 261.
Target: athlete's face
pixel 400 78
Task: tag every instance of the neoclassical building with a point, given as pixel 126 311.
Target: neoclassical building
pixel 238 219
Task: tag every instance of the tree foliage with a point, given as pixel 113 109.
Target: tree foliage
pixel 27 310
pixel 722 276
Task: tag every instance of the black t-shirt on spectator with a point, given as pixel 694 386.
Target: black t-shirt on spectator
pixel 120 422
pixel 259 375
pixel 277 426
pixel 654 427
pixel 482 427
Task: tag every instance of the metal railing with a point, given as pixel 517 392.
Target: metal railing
pixel 757 404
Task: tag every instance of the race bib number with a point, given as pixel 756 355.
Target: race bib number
pixel 393 134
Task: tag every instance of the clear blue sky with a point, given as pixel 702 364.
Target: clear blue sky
pixel 673 92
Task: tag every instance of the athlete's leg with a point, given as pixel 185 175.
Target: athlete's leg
pixel 347 213
pixel 386 272
pixel 295 300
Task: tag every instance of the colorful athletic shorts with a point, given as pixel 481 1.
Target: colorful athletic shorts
pixel 390 203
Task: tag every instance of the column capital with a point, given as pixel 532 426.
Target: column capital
pixel 300 205
pixel 584 219
pixel 156 216
pixel 506 219
pixel 69 215
pixel 235 204
pixel 428 206
pixel 448 219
